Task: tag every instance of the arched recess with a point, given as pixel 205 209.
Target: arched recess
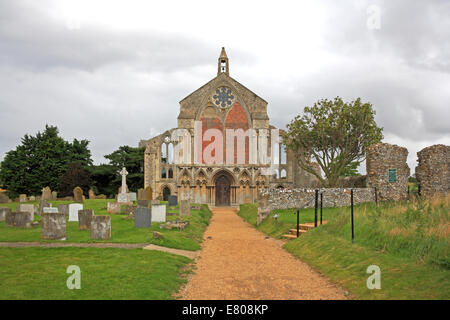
pixel 224 193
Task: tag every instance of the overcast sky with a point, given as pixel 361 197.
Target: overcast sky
pixel 113 72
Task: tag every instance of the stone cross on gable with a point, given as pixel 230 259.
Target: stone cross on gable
pixel 124 174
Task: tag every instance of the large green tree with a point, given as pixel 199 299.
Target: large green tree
pixel 74 176
pixel 40 160
pixel 334 134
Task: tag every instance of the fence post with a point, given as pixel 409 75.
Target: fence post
pixel 321 205
pixel 376 197
pixel 353 227
pixel 298 223
pixel 315 208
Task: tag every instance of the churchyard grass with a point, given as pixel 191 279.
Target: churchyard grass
pixel 122 231
pixel 40 273
pixel 408 240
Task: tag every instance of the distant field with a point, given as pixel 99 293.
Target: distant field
pixel 122 231
pixel 409 241
pixel 40 273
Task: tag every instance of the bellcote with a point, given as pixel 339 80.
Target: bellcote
pixel 223 65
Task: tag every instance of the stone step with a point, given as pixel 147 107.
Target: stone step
pixel 289 236
pixel 294 231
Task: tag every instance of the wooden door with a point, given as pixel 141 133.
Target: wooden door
pixel 222 191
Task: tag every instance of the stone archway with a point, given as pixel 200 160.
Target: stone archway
pixel 166 193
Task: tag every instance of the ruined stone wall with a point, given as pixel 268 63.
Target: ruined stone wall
pixel 382 160
pixel 433 171
pixel 273 199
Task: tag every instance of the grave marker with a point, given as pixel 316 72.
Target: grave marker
pixel 158 213
pixel 142 218
pixel 73 211
pixel 101 227
pixel 53 226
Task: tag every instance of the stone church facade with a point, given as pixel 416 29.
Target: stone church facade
pixel 222 105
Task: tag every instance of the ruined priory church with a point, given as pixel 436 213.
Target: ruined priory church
pixel 218 106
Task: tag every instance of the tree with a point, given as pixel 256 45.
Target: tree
pixel 102 177
pixel 351 170
pixel 132 159
pixel 40 161
pixel 334 134
pixel 75 176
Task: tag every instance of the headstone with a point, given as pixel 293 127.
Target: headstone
pixel 78 194
pixel 42 205
pixel 142 218
pixel 27 208
pixel 143 203
pixel 124 173
pixel 155 201
pixel 158 213
pixel 23 198
pixel 85 219
pixel 100 196
pixel 173 201
pixel 32 198
pixel 141 194
pixel 54 195
pixel 73 211
pixel 3 212
pixel 63 208
pixel 114 207
pixel 101 227
pixel 53 226
pixel 132 196
pixel 123 198
pixel 50 210
pixel 91 194
pixel 185 208
pixel 18 219
pixel 148 193
pixel 46 194
pixel 3 198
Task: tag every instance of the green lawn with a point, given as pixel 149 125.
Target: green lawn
pixel 409 241
pixel 40 273
pixel 122 231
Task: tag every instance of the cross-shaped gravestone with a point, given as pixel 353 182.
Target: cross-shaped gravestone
pixel 124 174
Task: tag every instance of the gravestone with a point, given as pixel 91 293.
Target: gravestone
pixel 173 201
pixel 3 198
pixel 3 212
pixel 155 201
pixel 148 193
pixel 142 218
pixel 158 213
pixel 114 207
pixel 73 211
pixel 143 203
pixel 23 198
pixel 18 219
pixel 54 195
pixel 91 194
pixel 32 198
pixel 50 210
pixel 185 208
pixel 101 227
pixel 78 194
pixel 46 194
pixel 42 205
pixel 123 198
pixel 27 208
pixel 140 194
pixel 53 226
pixel 85 219
pixel 63 208
pixel 132 196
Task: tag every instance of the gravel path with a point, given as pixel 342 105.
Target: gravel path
pixel 239 262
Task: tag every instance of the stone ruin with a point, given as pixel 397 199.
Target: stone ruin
pixel 433 170
pixel 387 171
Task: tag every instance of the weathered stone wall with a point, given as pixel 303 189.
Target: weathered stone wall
pixel 380 158
pixel 433 171
pixel 272 199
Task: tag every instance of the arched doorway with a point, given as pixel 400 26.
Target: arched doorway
pixel 166 193
pixel 223 191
